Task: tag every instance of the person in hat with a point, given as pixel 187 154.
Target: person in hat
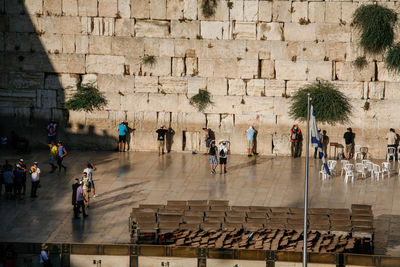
pixel 161 139
pixel 122 131
pixel 61 154
pixel 75 186
pixel 45 256
pixel 349 141
pixel 223 155
pixel 80 199
pixel 35 178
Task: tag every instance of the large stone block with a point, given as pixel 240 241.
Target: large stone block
pixel 31 6
pixel 300 11
pixel 293 86
pixel 124 27
pixel 52 43
pixel 248 68
pixel 81 44
pixel 376 90
pixel 333 32
pixel 127 46
pixel 319 70
pixel 297 32
pixel 178 66
pixel 265 11
pixel 105 64
pixel 289 70
pixel 206 67
pixel 67 63
pixel 191 66
pixel 116 83
pixel 255 87
pixel 140 9
pixel 46 98
pixel 185 29
pixel 226 68
pixel 166 47
pixel 52 7
pixel 211 29
pixel 244 31
pixel 61 81
pixel 60 25
pixel 250 11
pixel 175 9
pixel 173 85
pixel 69 7
pixel 146 84
pixel 217 86
pixel 221 12
pixel 87 8
pixel 270 31
pixel 333 12
pixel 348 9
pixel 236 12
pixel 162 67
pixel 124 8
pixel 353 90
pixel 21 42
pixel 316 12
pixel 236 87
pixel 267 69
pixel 135 102
pixel 148 28
pixel 345 71
pixel 196 83
pixel 108 8
pixel 274 88
pixel 158 9
pixel 281 11
pixel 392 91
pixel 163 102
pixel 336 51
pixel 385 75
pixel 100 45
pixel 17 24
pixel 25 80
pixel 312 51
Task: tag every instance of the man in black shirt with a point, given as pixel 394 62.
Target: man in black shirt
pixel 161 138
pixel 349 140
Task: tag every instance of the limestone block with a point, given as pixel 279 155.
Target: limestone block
pixel 236 87
pixel 345 71
pixel 178 66
pixel 60 25
pixel 226 104
pixel 316 12
pixel 175 9
pixel 336 51
pixel 254 104
pixel 99 45
pixel 211 29
pixel 267 69
pixel 109 26
pixel 173 85
pixel 221 12
pixel 300 11
pixel 248 68
pixel 206 67
pixel 185 29
pixel 312 51
pixel 226 68
pixel 353 90
pixel 319 70
pixel 135 102
pixel 116 83
pixel 162 67
pixel 217 86
pixel 31 6
pixel 25 80
pixel 140 9
pixel 166 48
pixel 236 13
pixel 222 49
pixel 21 42
pixel 392 90
pixel 281 11
pixel 52 43
pixel 244 31
pixel 17 24
pixel 60 81
pixel 257 49
pixel 108 8
pixel 127 46
pixel 190 9
pixel 250 11
pixel 196 83
pixel 289 70
pixel 124 8
pixel 69 7
pixel 293 86
pixel 348 9
pixel 265 11
pixel 158 9
pixel 270 31
pixel 12 7
pixel 184 48
pixel 333 12
pixel 46 98
pixel 82 44
pixel 333 32
pixel 147 28
pixel 146 84
pixel 52 7
pixel 385 75
pixel 255 87
pixel 376 90
pixel 281 144
pixel 297 32
pixel 163 102
pixel 67 63
pixel 133 65
pixel 191 66
pixel 89 79
pixel 105 64
pixel 87 8
pixel 124 27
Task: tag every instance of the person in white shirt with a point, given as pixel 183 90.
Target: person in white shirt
pixel 89 170
pixel 391 138
pixel 35 178
pixel 223 155
pixel 44 256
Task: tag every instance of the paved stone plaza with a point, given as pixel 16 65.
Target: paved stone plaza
pixel 123 180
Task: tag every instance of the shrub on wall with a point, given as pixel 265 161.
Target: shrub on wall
pixel 393 58
pixel 201 100
pixel 375 24
pixel 208 7
pixel 330 105
pixel 87 98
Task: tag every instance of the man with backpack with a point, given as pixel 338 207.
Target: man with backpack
pixel 61 153
pixel 51 131
pixel 223 155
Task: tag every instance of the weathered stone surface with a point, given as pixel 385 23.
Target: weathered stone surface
pixel 116 83
pixel 127 46
pixel 162 67
pixel 385 75
pixel 225 68
pixel 244 31
pixel 166 48
pixel 140 9
pixel 60 25
pixel 185 29
pixel 196 83
pixel 297 32
pixel 99 45
pixel 217 86
pixel 105 64
pixel 289 70
pixel 250 11
pixel 236 12
pixel 124 27
pixel 108 8
pixel 24 80
pixel 89 79
pixel 69 7
pixel 221 12
pixel 191 66
pixel 392 90
pixel 336 51
pixel 376 90
pixel 313 51
pixel 293 86
pixel 87 8
pixel 265 11
pixel 21 42
pixel 211 29
pixel 46 98
pixel 353 90
pixel 67 63
pixel 146 84
pixel 31 6
pixel 175 9
pixel 333 12
pixel 300 11
pixel 270 31
pixel 333 32
pixel 348 9
pixel 248 68
pixel 190 9
pixel 173 85
pixel 346 72
pixel 319 70
pixel 236 87
pixel 124 8
pixel 147 28
pixel 17 24
pixel 52 7
pixel 316 11
pixel 267 69
pixel 61 81
pixel 255 87
pixel 281 11
pixel 158 9
pixel 52 43
pixel 206 67
pixel 178 66
pixel 81 44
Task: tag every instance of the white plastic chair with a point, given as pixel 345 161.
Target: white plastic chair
pixel 360 169
pixel 349 170
pixel 332 166
pixel 344 162
pixel 358 151
pixel 323 173
pixel 386 168
pixel 391 151
pixel 370 168
pixel 377 171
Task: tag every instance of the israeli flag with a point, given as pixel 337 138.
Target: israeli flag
pixel 316 140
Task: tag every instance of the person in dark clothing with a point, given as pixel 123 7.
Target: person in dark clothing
pixel 161 139
pixel 213 156
pixel 80 199
pixel 296 139
pixel 325 142
pixel 23 167
pixel 61 153
pixel 316 148
pixel 74 203
pixel 210 136
pixel 349 140
pixel 18 180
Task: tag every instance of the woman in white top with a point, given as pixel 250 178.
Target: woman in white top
pixel 35 178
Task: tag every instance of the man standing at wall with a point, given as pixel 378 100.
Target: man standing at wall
pixel 35 179
pixel 161 139
pixel 391 138
pixel 250 140
pixel 325 142
pixel 122 131
pixel 349 141
pixel 223 155
pixel 212 152
pixel 296 137
pixel 210 136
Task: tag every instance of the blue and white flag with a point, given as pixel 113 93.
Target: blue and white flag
pixel 316 140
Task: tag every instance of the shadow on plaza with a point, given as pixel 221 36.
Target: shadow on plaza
pixel 253 162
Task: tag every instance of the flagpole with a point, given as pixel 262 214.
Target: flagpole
pixel 306 184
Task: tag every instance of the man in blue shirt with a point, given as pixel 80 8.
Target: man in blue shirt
pixel 61 153
pixel 250 140
pixel 122 130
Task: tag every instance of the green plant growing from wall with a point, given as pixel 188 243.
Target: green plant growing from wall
pixel 375 24
pixel 366 105
pixel 229 4
pixel 331 106
pixel 208 7
pixel 201 100
pixel 360 62
pixel 149 60
pixel 87 98
pixel 392 59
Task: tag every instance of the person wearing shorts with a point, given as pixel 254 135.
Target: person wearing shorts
pixel 161 139
pixel 212 152
pixel 223 155
pixel 250 140
pixel 122 130
pixel 89 170
pixel 349 141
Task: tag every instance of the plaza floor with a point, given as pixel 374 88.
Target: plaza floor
pixel 123 180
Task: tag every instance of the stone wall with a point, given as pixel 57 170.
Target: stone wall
pixel 251 58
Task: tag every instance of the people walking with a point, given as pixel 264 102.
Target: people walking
pixel 325 142
pixel 61 154
pixel 349 141
pixel 80 199
pixel 161 139
pixel 212 152
pixel 51 131
pixel 89 170
pixel 296 139
pixel 35 178
pixel 250 140
pixel 75 186
pixel 391 138
pixel 122 131
pixel 209 136
pixel 52 155
pixel 223 155
pixel 316 148
pixel 86 188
